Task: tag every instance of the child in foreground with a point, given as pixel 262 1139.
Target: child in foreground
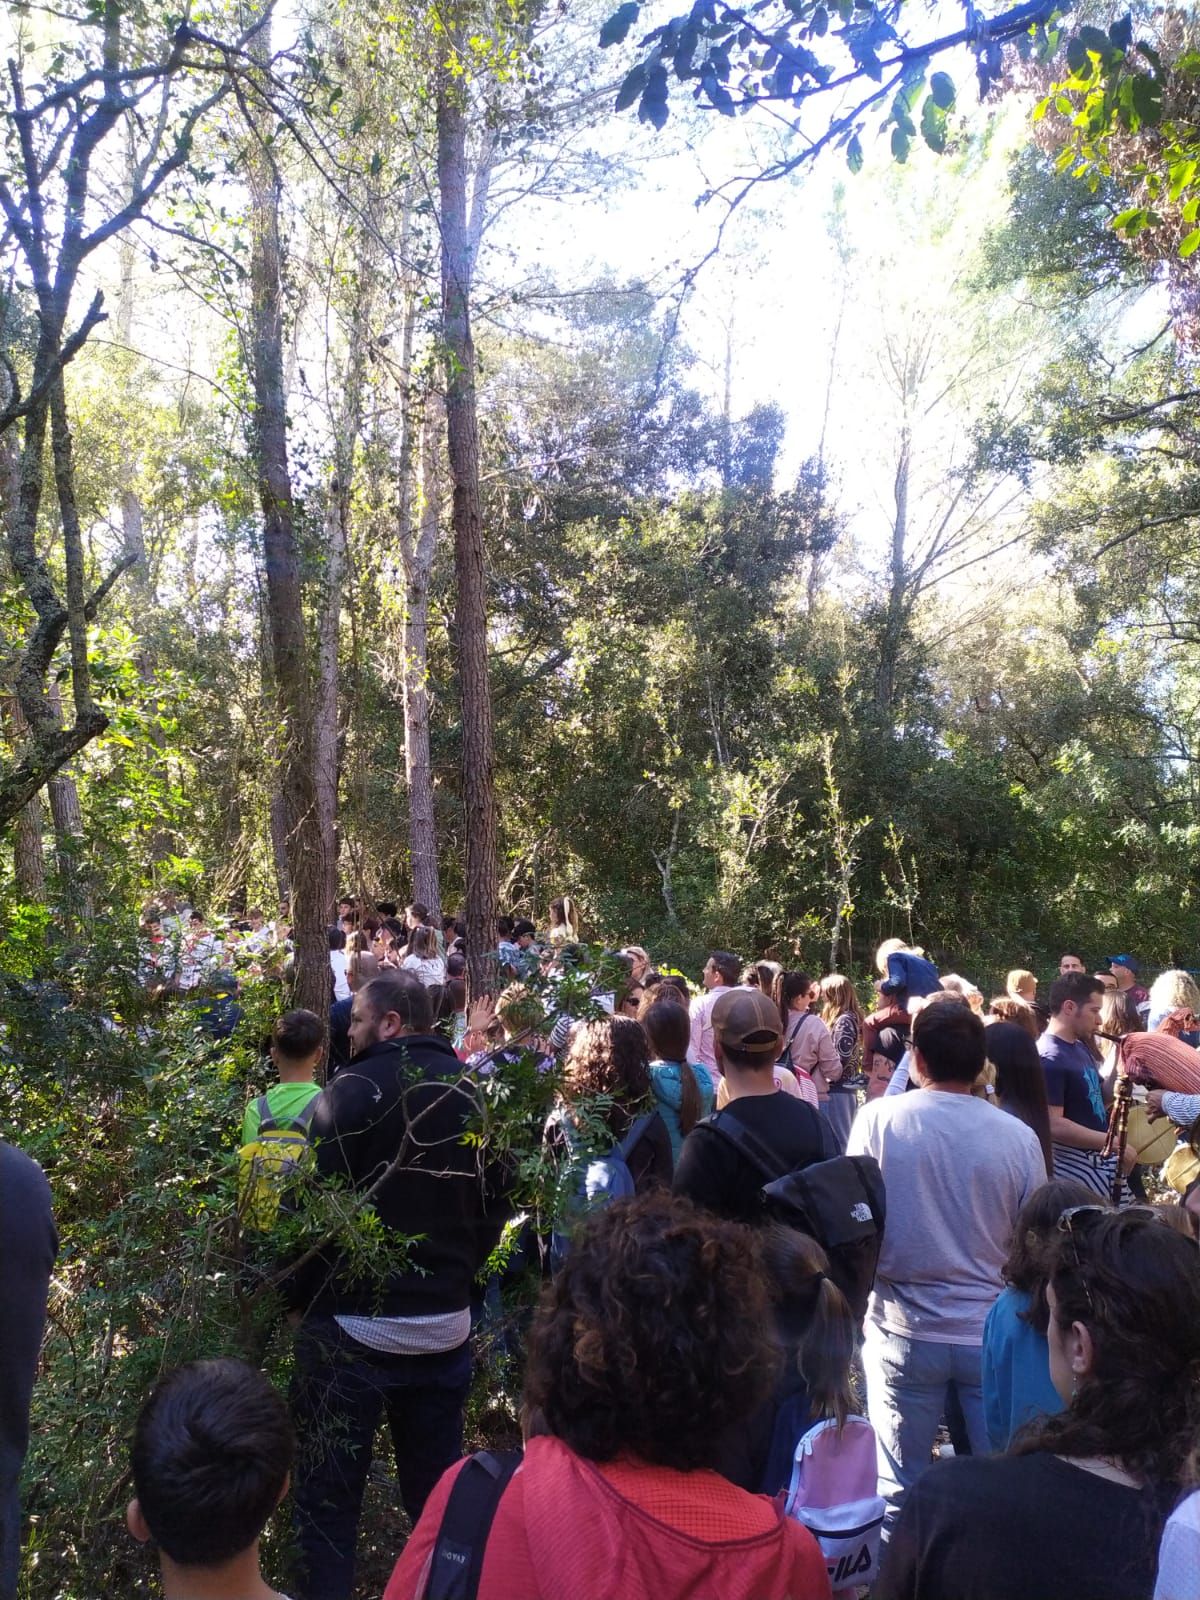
pixel 212 1457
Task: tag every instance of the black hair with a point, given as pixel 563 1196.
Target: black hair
pixel 1020 1080
pixel 504 927
pixel 521 927
pixel 1076 986
pixel 297 1034
pixel 337 938
pixel 212 1449
pixel 402 993
pixel 1034 1240
pixel 456 964
pixel 950 1039
pixel 419 909
pixel 386 908
pixel 726 963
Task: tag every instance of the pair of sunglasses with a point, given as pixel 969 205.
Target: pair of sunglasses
pixel 1072 1220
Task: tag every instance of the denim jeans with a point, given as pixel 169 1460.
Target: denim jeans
pixel 339 1393
pixel 906 1396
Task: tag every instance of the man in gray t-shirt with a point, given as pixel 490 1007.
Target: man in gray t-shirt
pixel 956 1171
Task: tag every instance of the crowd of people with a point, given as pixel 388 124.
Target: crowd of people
pixel 777 1207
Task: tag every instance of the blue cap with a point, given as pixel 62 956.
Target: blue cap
pixel 1122 961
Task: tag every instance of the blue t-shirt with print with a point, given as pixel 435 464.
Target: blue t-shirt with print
pixel 1072 1081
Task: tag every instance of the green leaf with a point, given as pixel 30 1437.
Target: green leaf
pixel 933 125
pixel 1148 100
pixel 1182 174
pixel 854 154
pixel 900 144
pixel 618 25
pixel 941 88
pixel 635 82
pixel 1192 210
pixel 1190 244
pixel 1095 42
pixel 1127 220
pixel 820 22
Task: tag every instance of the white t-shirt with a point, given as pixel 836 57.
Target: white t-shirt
pixel 1179 1553
pixel 341 985
pixel 430 969
pixel 956 1172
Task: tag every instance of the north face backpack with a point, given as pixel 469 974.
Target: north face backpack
pixel 838 1202
pixel 270 1161
pixel 834 1492
pixel 601 1179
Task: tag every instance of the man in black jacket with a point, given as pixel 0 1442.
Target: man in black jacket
pixel 391 1123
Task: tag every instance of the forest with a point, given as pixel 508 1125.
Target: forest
pixel 744 475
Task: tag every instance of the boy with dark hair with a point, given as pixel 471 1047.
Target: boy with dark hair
pixel 275 1126
pixel 956 1171
pixel 212 1455
pixel 296 1048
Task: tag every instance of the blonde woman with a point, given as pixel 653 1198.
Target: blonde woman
pixel 1021 985
pixel 1175 990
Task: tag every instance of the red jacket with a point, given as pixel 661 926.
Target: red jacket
pixel 569 1529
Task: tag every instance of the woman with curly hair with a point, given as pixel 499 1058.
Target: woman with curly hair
pixel 652 1340
pixel 1077 1506
pixel 606 1091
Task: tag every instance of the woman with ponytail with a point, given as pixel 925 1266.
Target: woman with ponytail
pixel 564 922
pixel 1078 1504
pixel 817 1333
pixel 683 1090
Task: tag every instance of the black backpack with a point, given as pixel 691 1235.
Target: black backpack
pixel 457 1561
pixel 838 1202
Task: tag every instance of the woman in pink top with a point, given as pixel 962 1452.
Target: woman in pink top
pixel 808 1046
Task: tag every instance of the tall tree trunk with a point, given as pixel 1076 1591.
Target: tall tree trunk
pixel 462 435
pixel 67 814
pixel 418 552
pixel 897 601
pixel 337 513
pixel 309 848
pixel 29 860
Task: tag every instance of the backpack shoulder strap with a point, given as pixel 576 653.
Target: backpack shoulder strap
pixel 752 1148
pixel 637 1131
pixel 456 1564
pixel 305 1115
pixel 266 1117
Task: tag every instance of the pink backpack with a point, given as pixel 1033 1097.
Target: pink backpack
pixel 834 1492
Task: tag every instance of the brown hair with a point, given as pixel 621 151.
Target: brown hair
pixel 610 1057
pixel 797 1268
pixel 669 1033
pixel 1035 1235
pixel 1007 1008
pixel 839 998
pixel 297 1034
pixel 1135 1286
pixel 654 1336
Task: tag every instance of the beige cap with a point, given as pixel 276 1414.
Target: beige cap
pixel 748 1020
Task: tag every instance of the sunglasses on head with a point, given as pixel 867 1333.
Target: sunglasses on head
pixel 1074 1220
